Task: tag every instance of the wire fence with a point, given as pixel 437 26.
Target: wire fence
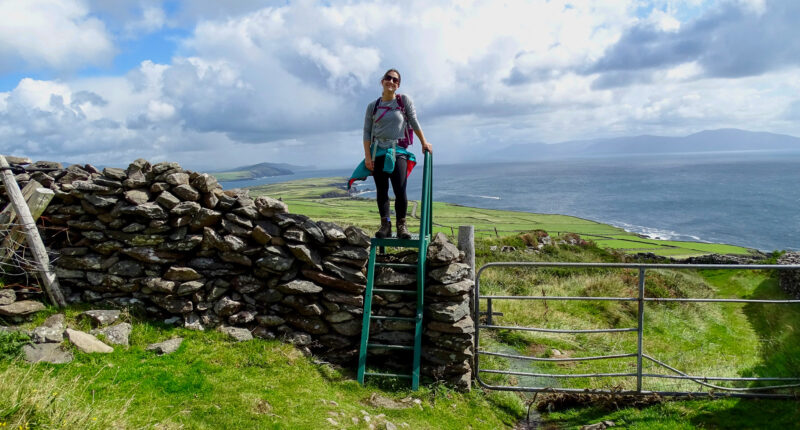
pixel 646 367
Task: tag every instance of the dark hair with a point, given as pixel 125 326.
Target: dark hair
pixel 398 75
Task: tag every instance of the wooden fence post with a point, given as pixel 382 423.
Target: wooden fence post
pixel 32 235
pixel 466 243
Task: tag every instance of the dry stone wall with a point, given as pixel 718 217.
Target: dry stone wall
pixel 173 244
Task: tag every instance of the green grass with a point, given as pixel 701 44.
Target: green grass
pixel 304 197
pixel 699 339
pixel 212 383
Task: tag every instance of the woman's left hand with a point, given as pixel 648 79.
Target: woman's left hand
pixel 427 147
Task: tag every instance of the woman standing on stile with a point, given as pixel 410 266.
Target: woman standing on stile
pixel 388 125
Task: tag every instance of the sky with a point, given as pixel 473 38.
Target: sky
pixel 215 85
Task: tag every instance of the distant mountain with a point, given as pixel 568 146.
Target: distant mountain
pixel 722 140
pixel 259 170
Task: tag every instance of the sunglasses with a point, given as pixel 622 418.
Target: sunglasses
pixel 391 79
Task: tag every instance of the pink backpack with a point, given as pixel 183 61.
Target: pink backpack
pixel 408 134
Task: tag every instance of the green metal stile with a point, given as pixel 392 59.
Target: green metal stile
pixel 421 243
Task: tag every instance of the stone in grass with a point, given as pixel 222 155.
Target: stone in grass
pixel 46 334
pixel 117 334
pixel 7 296
pixel 101 317
pixel 86 342
pixel 46 353
pixel 236 333
pixel 166 347
pixel 21 308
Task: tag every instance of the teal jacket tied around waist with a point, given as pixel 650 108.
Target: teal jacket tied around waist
pixel 362 173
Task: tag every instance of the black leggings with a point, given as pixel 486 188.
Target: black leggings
pixel 398 178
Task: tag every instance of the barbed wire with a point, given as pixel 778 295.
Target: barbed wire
pixel 18 267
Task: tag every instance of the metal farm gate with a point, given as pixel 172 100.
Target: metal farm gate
pixel 639 355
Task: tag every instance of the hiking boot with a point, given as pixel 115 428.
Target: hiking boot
pixel 402 230
pixel 385 230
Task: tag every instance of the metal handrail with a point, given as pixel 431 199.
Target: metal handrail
pixel 639 329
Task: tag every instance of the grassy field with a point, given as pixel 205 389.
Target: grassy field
pixel 212 382
pixel 303 197
pixel 728 340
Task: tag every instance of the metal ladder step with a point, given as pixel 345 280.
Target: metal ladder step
pixel 388 291
pixel 387 346
pixel 384 317
pixel 397 265
pixel 388 375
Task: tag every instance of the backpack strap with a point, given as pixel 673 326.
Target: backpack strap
pixel 375 108
pixel 399 98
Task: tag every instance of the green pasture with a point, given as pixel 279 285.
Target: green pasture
pixel 233 175
pixel 303 197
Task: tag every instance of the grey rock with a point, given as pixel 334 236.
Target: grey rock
pixel 386 276
pixel 117 334
pixel 205 218
pixel 235 258
pixel 242 317
pixel 166 347
pixel 311 325
pixel 454 289
pixel 173 305
pixel 260 235
pixel 182 274
pixel 205 183
pixel 242 222
pixel 21 308
pixel 135 179
pixel 137 197
pixel 47 353
pixel 348 328
pixel 349 299
pixel 167 199
pixel 100 317
pixel 150 255
pixel 7 296
pixel 189 287
pixel 246 284
pixel 115 173
pixel 85 262
pixel 451 273
pixel 236 333
pixel 275 260
pixel 346 273
pixel 338 317
pixel 331 231
pixel 126 268
pixel 270 320
pixel 233 244
pixel 465 325
pixel 334 282
pixel 441 251
pixel 306 255
pixel 150 210
pixel 101 201
pixel 48 335
pixel 165 166
pixel 86 342
pixel 159 285
pixel 193 322
pixel 448 311
pixel 226 307
pixel 356 236
pixel 186 192
pixel 269 207
pixel 179 178
pixel 57 321
pixel 298 286
pixel 296 234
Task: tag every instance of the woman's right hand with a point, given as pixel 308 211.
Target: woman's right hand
pixel 369 164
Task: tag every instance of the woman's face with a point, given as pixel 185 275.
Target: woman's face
pixel 390 82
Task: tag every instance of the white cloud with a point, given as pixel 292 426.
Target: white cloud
pixel 290 82
pixel 153 18
pixel 59 34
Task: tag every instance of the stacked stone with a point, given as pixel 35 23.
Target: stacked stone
pixel 790 279
pixel 173 244
pixel 448 335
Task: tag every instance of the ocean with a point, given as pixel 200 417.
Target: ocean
pixel 749 199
